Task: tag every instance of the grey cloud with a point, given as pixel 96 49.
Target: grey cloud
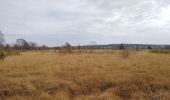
pixel 105 21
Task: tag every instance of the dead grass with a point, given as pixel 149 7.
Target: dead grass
pixel 81 76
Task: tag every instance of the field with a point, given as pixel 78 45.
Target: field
pixel 85 76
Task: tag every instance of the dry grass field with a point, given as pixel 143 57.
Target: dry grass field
pixel 83 76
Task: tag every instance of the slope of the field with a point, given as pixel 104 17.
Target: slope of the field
pixel 95 76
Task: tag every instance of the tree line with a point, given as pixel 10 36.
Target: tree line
pixel 21 44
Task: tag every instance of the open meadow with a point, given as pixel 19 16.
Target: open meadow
pixel 85 76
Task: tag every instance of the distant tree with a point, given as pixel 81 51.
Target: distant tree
pixel 26 46
pixel 44 47
pixel 67 45
pixel 122 46
pixel 22 44
pixel 8 47
pixel 149 47
pixel 2 39
pixel 167 47
pixel 125 52
pixel 66 48
pixel 33 45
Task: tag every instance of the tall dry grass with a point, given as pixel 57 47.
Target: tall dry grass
pixel 81 76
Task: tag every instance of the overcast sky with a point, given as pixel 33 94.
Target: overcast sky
pixel 54 22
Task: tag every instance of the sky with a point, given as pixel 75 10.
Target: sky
pixel 54 22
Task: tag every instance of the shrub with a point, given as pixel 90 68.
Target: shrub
pixel 2 55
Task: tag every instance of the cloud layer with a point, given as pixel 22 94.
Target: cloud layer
pixel 54 22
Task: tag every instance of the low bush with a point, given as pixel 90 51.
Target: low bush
pixel 2 55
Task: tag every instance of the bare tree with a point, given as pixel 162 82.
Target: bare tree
pixel 22 44
pixel 33 45
pixel 125 52
pixel 2 39
pixel 66 48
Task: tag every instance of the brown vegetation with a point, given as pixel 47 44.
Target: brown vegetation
pixel 66 48
pixel 79 76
